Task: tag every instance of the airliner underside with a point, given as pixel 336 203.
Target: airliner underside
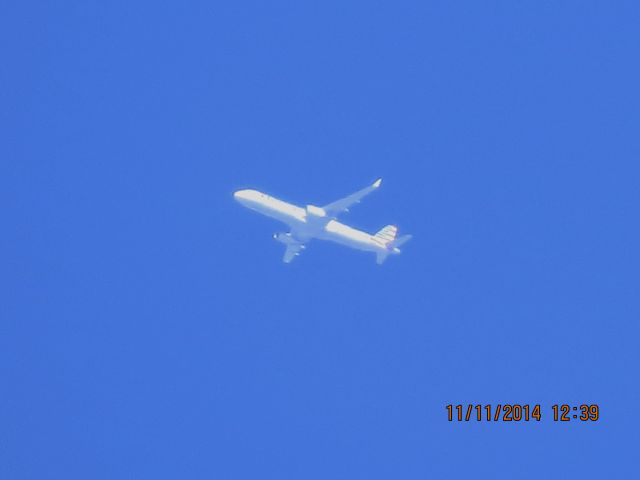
pixel 321 222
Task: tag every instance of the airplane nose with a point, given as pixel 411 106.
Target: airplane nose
pixel 245 196
pixel 240 195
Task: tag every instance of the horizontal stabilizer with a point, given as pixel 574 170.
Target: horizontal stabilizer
pixel 391 248
pixel 381 257
pixel 401 241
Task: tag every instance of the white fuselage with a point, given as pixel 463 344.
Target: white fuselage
pixel 310 222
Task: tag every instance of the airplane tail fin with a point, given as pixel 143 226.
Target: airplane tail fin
pixel 387 234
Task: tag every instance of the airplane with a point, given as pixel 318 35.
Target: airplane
pixel 321 222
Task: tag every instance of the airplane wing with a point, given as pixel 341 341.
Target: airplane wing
pixel 344 204
pixel 292 251
pixel 294 246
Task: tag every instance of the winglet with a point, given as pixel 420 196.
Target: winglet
pixel 377 183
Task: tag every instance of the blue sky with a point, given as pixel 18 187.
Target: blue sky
pixel 149 328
